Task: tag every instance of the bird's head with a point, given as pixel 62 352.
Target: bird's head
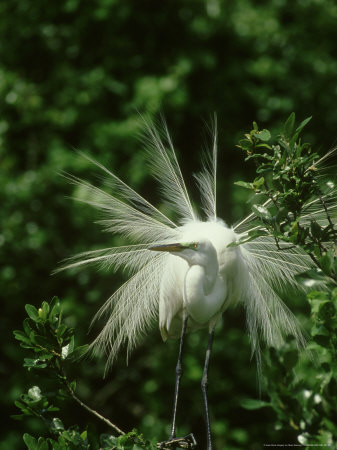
pixel 198 252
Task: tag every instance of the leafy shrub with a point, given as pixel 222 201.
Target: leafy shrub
pixel 52 343
pixel 302 392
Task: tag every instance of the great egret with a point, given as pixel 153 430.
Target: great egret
pixel 201 281
pixel 184 273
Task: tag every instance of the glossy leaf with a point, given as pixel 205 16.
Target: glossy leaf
pixel 253 404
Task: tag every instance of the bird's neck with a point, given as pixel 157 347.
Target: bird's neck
pixel 199 285
pixel 205 275
pixel 211 272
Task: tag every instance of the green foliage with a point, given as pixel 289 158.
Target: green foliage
pixel 302 391
pixel 50 339
pixel 53 344
pixel 66 439
pixel 34 403
pixel 73 74
pixel 288 179
pixel 130 441
pixel 72 439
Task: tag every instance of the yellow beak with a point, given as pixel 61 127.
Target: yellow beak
pixel 167 248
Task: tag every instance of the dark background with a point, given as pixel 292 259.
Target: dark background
pixel 75 74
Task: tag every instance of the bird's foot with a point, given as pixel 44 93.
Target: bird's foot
pixel 187 442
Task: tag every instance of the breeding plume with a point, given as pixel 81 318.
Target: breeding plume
pixel 184 274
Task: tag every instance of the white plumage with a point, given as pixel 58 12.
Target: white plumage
pixel 204 289
pixel 163 285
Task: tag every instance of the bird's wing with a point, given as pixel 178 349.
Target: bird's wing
pixel 267 315
pixel 131 310
pixel 126 193
pixel 271 270
pixel 278 266
pixel 127 257
pixel 172 297
pixel 122 217
pixel 165 167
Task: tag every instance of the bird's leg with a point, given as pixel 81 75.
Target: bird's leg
pixel 204 384
pixel 187 442
pixel 179 372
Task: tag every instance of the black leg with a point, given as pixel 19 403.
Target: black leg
pixel 204 384
pixel 179 372
pixel 187 442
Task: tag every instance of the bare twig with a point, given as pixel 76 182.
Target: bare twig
pixel 83 405
pixel 92 411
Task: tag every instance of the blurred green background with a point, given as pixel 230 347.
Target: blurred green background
pixel 76 74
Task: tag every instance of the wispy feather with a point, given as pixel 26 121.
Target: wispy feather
pixel 165 168
pixel 206 179
pixel 266 271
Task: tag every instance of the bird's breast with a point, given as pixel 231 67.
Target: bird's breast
pixel 202 304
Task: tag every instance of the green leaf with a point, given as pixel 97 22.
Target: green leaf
pixel 42 444
pixel 316 230
pixel 23 407
pixel 44 311
pixel 250 403
pixel 55 308
pixel 71 344
pixel 52 408
pixel 108 441
pixel 30 441
pixel 302 125
pixel 244 184
pixel 43 341
pixel 260 156
pixel 326 311
pixel 27 326
pixel 245 144
pixel 327 262
pixel 316 304
pixel 32 312
pixel 317 295
pixel 34 363
pixel 258 182
pixel 61 329
pixel 21 336
pixel 281 214
pixel 289 126
pixel 263 135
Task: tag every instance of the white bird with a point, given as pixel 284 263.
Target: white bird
pixel 184 274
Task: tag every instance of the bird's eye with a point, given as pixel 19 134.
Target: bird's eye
pixel 195 245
